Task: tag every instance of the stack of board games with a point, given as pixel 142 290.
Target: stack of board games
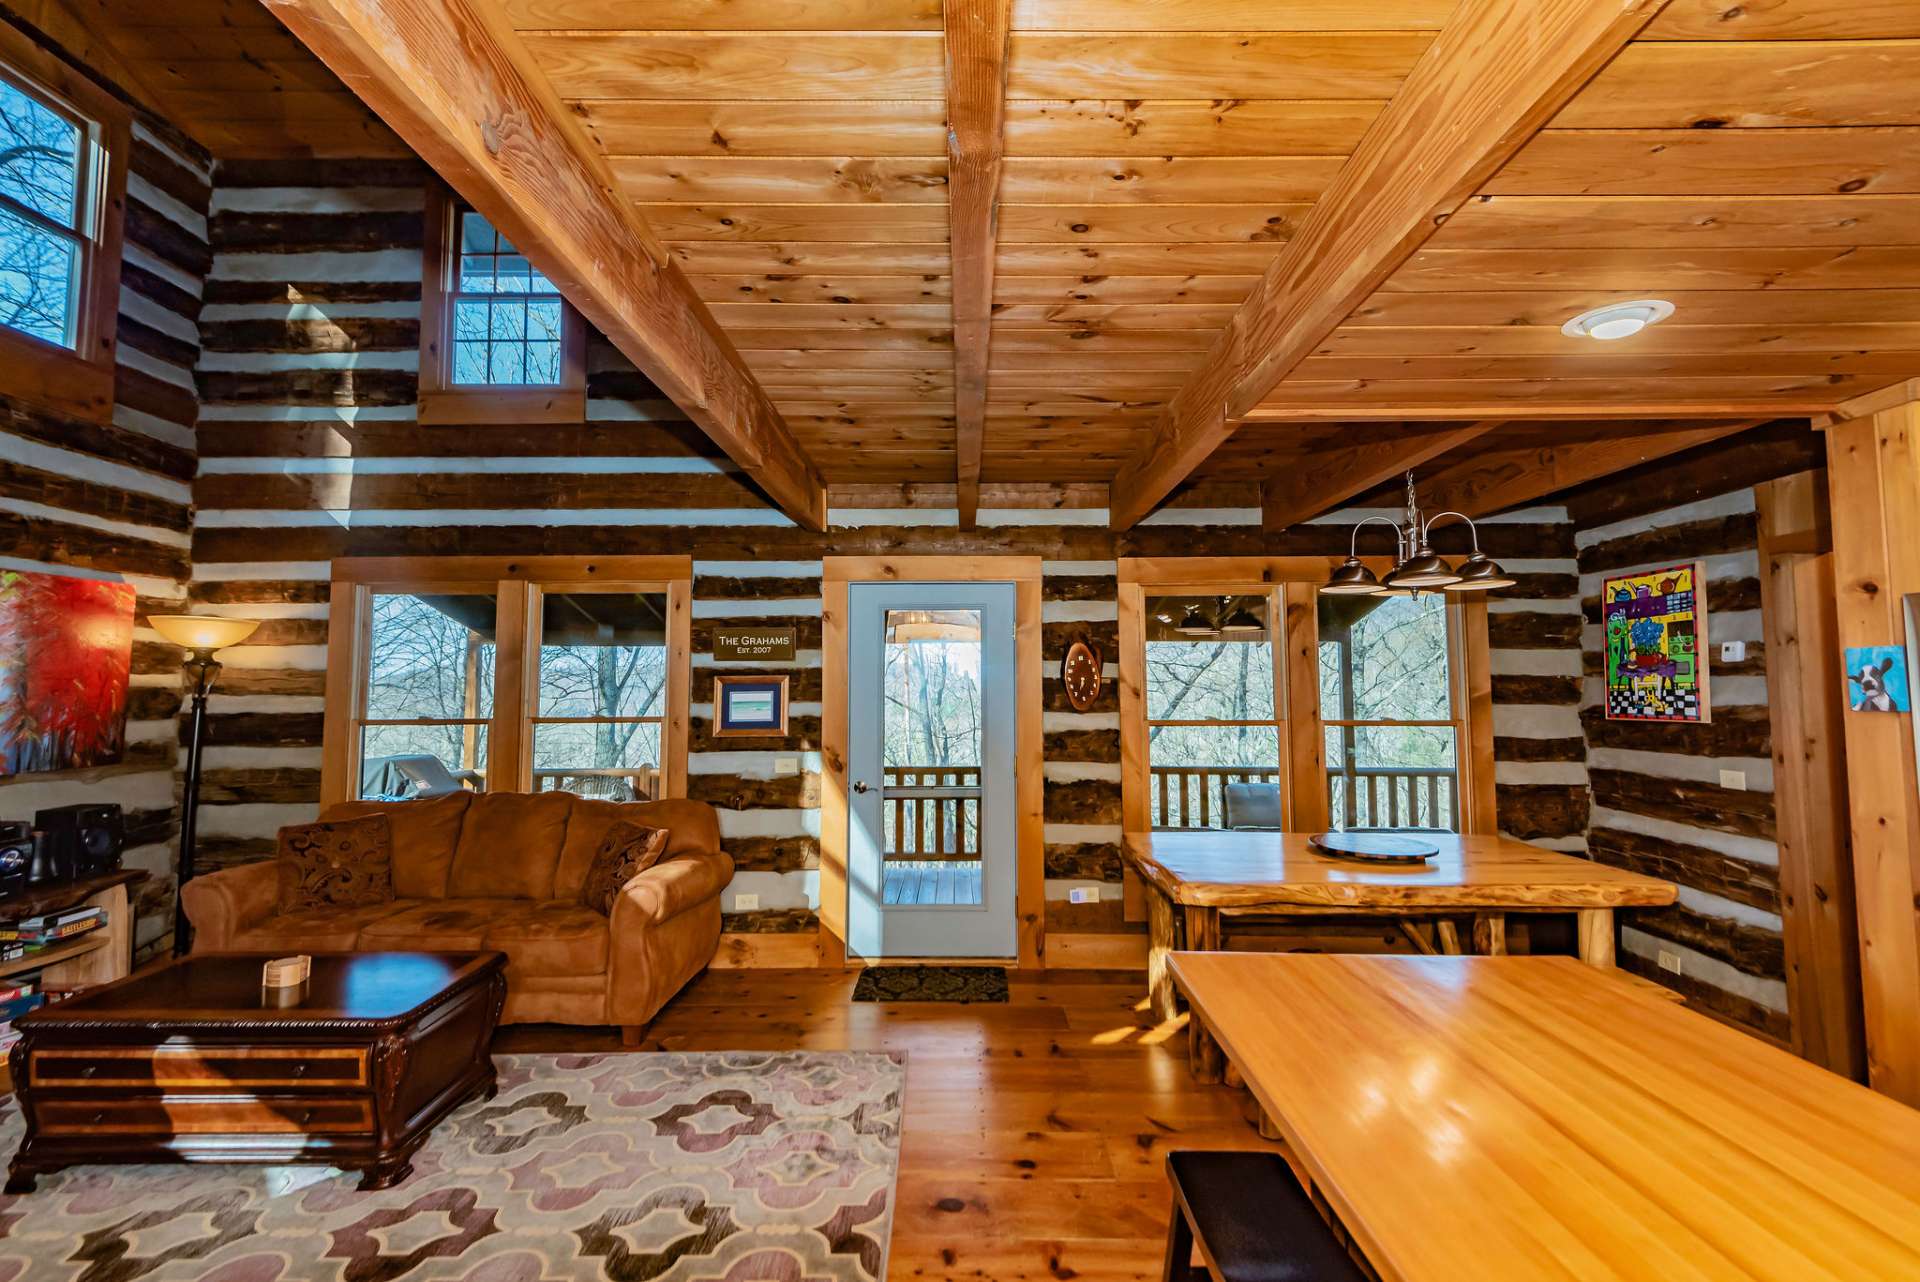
pixel 23 938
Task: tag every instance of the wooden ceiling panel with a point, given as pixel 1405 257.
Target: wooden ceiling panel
pixel 1231 15
pixel 863 180
pixel 1175 224
pixel 1043 180
pixel 233 78
pixel 823 289
pixel 1876 160
pixel 1870 267
pixel 1785 20
pixel 721 15
pixel 624 127
pixel 718 258
pixel 1553 307
pixel 1205 127
pixel 1122 289
pixel 846 224
pixel 715 65
pixel 1661 340
pixel 1752 84
pixel 1681 222
pixel 1363 65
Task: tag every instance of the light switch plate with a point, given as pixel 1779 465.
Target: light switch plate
pixel 1734 779
pixel 786 765
pixel 1669 960
pixel 1733 651
pixel 745 903
pixel 1084 895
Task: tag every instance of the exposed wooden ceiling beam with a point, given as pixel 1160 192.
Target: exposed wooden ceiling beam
pixel 1500 476
pixel 1324 479
pixel 976 114
pixel 1498 71
pixel 453 81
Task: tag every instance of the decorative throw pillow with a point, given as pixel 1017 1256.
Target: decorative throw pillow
pixel 627 850
pixel 347 863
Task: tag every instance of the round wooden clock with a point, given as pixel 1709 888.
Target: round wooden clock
pixel 1080 673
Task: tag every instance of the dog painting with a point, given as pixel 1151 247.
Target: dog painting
pixel 1877 679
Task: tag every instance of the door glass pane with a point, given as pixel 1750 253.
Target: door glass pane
pixel 1384 658
pixel 415 762
pixel 931 737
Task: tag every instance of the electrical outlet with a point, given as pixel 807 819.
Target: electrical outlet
pixel 1734 779
pixel 745 903
pixel 1084 895
pixel 1669 960
pixel 1733 651
pixel 786 765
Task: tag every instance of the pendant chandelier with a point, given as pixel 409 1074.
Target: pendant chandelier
pixel 1416 567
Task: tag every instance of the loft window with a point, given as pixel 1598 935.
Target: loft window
pixel 46 168
pixel 63 155
pixel 506 315
pixel 498 342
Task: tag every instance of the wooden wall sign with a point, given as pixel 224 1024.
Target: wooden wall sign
pixel 745 643
pixel 1080 673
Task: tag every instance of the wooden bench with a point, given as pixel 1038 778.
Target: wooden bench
pixel 1252 1221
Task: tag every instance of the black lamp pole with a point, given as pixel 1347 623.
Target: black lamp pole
pixel 204 669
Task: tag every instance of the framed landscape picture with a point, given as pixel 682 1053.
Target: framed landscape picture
pixel 745 706
pixel 66 646
pixel 1654 624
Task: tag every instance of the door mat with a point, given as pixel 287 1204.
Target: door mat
pixel 931 984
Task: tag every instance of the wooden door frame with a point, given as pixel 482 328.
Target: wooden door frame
pixel 837 572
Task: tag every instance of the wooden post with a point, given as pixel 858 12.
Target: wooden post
pixel 1205 1057
pixel 1873 475
pixel 1596 936
pixel 1805 690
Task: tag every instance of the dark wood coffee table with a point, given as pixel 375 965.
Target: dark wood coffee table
pixel 192 1063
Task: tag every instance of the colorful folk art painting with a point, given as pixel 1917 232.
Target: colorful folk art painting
pixel 1656 638
pixel 1877 679
pixel 66 645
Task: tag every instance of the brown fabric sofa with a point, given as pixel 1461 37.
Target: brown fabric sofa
pixel 503 871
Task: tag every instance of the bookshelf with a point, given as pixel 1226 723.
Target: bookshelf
pixel 97 957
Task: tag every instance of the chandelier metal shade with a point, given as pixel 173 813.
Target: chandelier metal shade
pixel 1416 566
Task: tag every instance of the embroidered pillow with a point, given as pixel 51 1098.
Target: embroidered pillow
pixel 347 863
pixel 627 850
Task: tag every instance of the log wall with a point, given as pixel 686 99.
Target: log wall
pixel 1659 803
pixel 115 500
pixel 310 451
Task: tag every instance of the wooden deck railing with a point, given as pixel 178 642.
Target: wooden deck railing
pixel 932 812
pixel 617 783
pixel 1358 796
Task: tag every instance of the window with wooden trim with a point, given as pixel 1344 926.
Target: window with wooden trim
pixel 1248 699
pixel 544 675
pixel 63 158
pixel 498 343
pixel 1389 704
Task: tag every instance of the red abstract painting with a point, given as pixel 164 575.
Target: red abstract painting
pixel 66 645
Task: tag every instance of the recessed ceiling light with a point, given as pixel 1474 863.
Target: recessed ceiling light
pixel 1618 320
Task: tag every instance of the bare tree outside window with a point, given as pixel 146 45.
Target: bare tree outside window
pixel 42 154
pixel 1386 698
pixel 1210 714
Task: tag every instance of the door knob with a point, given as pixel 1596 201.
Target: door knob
pixel 859 785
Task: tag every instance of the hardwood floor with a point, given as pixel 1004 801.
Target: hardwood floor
pixel 1035 1132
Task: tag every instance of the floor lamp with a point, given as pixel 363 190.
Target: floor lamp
pixel 202 634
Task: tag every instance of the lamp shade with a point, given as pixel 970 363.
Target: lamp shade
pixel 1479 573
pixel 1243 622
pixel 1424 569
pixel 202 631
pixel 1353 578
pixel 1195 624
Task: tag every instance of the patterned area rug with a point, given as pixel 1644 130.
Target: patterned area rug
pixel 931 984
pixel 735 1167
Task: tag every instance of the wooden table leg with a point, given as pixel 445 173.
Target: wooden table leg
pixel 1449 936
pixel 1204 1056
pixel 1490 934
pixel 1165 930
pixel 1596 937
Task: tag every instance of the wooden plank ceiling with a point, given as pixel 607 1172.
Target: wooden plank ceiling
pixel 1758 165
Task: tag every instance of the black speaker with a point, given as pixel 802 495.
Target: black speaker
pixel 16 856
pixel 81 841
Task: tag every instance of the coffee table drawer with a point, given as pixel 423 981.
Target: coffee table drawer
pixel 251 1067
pixel 210 1115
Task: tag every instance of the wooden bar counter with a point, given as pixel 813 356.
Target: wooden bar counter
pixel 1194 877
pixel 1531 1119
